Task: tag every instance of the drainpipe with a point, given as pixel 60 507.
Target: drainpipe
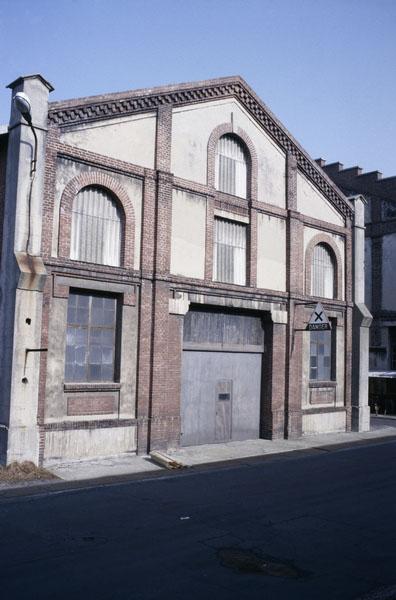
pixel 361 322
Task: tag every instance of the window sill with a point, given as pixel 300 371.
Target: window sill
pixel 322 384
pixel 95 386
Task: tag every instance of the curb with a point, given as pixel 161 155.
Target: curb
pixel 61 486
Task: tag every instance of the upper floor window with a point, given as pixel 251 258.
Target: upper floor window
pixel 231 166
pixel 323 272
pixel 96 227
pixel 229 264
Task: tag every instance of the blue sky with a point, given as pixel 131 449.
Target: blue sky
pixel 326 68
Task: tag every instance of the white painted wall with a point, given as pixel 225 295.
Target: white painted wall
pixel 310 232
pixel 323 423
pixel 188 234
pixel 131 139
pixel 271 252
pixel 191 129
pixel 312 203
pixel 388 272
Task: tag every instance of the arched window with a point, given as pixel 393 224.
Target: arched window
pixel 323 272
pixel 231 166
pixel 96 227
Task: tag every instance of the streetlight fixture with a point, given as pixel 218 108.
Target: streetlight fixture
pixel 24 107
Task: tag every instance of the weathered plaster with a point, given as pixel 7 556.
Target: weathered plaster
pixel 131 139
pixel 271 252
pixel 312 203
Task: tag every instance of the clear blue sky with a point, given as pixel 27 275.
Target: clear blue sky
pixel 326 68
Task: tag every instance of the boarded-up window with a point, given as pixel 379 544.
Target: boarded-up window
pixel 231 166
pixel 90 337
pixel 96 228
pixel 229 260
pixel 321 358
pixel 322 272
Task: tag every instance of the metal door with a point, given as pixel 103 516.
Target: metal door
pixel 220 396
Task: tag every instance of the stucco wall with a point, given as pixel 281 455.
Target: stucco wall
pixel 131 139
pixel 323 423
pixel 68 169
pixel 311 202
pixel 310 232
pixel 388 272
pixel 188 234
pixel 86 443
pixel 191 129
pixel 271 252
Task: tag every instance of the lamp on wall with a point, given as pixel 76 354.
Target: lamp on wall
pixel 24 107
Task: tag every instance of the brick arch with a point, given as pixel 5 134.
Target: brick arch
pixel 252 169
pixel 120 195
pixel 323 238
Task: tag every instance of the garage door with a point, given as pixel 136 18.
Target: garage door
pixel 221 377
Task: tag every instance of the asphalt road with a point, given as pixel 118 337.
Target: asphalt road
pixel 314 525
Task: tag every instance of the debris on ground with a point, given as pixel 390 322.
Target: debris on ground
pixel 24 471
pixel 165 461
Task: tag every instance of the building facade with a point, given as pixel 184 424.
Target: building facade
pixel 161 259
pixel 380 252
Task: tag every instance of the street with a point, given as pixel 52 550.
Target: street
pixel 318 524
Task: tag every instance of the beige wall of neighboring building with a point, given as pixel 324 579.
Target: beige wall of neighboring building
pixel 271 252
pixel 188 234
pixel 131 139
pixel 191 129
pixel 310 202
pixel 388 271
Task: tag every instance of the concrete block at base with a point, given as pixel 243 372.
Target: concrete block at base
pixel 324 423
pixel 23 444
pixel 360 418
pixel 88 443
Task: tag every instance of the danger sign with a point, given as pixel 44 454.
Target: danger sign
pixel 318 320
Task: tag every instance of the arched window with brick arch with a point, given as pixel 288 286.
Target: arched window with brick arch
pixel 231 165
pixel 96 227
pixel 323 271
pixel 97 221
pixel 323 268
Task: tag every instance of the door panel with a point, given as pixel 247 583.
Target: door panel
pixel 220 396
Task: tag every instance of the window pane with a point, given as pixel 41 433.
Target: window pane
pixel 90 338
pixel 320 355
pixel 96 227
pixel 231 169
pixel 322 272
pixel 230 252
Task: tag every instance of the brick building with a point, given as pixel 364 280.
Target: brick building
pixel 380 253
pixel 161 260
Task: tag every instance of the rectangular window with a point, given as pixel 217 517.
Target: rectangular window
pixel 90 338
pixel 229 264
pixel 322 356
pixel 392 348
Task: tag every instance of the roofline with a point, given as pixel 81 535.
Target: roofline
pixel 69 113
pixel 136 93
pixel 19 80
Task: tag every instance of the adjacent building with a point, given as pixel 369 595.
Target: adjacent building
pixel 163 251
pixel 380 281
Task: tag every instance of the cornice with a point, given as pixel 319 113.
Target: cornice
pixel 86 110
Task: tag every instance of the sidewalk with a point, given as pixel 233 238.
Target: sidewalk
pixel 124 465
